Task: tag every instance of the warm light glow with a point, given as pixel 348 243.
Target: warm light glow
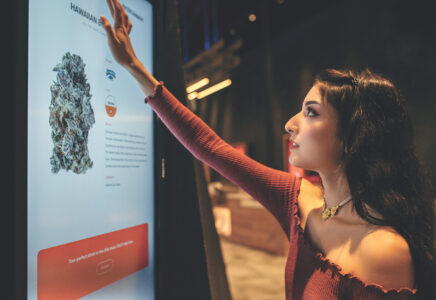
pixel 214 88
pixel 192 96
pixel 197 85
pixel 252 17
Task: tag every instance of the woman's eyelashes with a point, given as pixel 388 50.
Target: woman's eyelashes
pixel 310 112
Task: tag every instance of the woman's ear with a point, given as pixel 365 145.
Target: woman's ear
pixel 345 150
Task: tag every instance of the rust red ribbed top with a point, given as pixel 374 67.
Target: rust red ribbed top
pixel 308 274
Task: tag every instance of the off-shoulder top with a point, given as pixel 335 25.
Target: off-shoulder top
pixel 308 274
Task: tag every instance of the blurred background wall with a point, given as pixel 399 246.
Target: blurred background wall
pixel 283 48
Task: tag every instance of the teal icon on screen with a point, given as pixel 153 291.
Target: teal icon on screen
pixel 110 74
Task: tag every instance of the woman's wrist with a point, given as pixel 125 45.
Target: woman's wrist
pixel 145 80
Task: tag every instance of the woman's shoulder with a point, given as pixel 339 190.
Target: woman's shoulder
pixel 381 240
pixel 385 257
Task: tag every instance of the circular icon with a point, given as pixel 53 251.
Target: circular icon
pixel 111 106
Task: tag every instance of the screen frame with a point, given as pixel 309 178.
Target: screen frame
pixel 19 144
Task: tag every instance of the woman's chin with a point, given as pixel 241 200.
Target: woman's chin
pixel 301 165
pixel 296 164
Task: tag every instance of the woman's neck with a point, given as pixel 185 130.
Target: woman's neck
pixel 335 186
pixel 335 189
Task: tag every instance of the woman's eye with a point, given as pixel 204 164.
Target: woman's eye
pixel 310 111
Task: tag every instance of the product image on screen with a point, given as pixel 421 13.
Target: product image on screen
pixel 90 166
pixel 71 116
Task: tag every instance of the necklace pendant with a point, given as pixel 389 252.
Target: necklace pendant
pixel 328 212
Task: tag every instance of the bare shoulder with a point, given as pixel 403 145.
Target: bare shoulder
pixel 385 259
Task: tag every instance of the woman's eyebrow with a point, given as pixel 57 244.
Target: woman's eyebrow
pixel 311 102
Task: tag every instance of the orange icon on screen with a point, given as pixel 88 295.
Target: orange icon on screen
pixel 111 110
pixel 111 106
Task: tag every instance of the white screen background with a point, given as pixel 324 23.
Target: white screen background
pixel 67 207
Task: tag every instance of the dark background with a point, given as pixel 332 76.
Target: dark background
pixel 281 52
pixel 290 42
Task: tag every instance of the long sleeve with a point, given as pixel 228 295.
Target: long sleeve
pixel 308 274
pixel 272 188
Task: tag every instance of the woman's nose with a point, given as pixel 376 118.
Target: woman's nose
pixel 290 127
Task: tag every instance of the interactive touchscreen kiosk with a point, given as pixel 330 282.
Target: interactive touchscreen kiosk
pixel 90 156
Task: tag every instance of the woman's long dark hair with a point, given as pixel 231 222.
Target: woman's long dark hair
pixel 380 163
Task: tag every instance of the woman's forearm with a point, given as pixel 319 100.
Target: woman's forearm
pixel 145 80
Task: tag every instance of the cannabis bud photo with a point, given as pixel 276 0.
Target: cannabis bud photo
pixel 71 116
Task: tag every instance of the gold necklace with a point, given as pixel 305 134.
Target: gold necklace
pixel 328 212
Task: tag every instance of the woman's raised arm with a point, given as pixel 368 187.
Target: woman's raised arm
pixel 274 189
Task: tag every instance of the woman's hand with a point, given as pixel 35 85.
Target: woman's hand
pixel 118 36
pixel 121 47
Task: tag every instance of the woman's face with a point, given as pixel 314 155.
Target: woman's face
pixel 313 129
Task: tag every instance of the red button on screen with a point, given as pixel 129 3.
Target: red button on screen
pixel 73 270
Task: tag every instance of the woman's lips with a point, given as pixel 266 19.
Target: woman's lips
pixel 293 144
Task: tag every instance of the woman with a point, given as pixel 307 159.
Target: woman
pixel 367 232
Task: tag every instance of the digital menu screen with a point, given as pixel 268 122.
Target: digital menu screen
pixel 90 156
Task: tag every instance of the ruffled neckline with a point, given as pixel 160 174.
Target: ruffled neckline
pixel 327 262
